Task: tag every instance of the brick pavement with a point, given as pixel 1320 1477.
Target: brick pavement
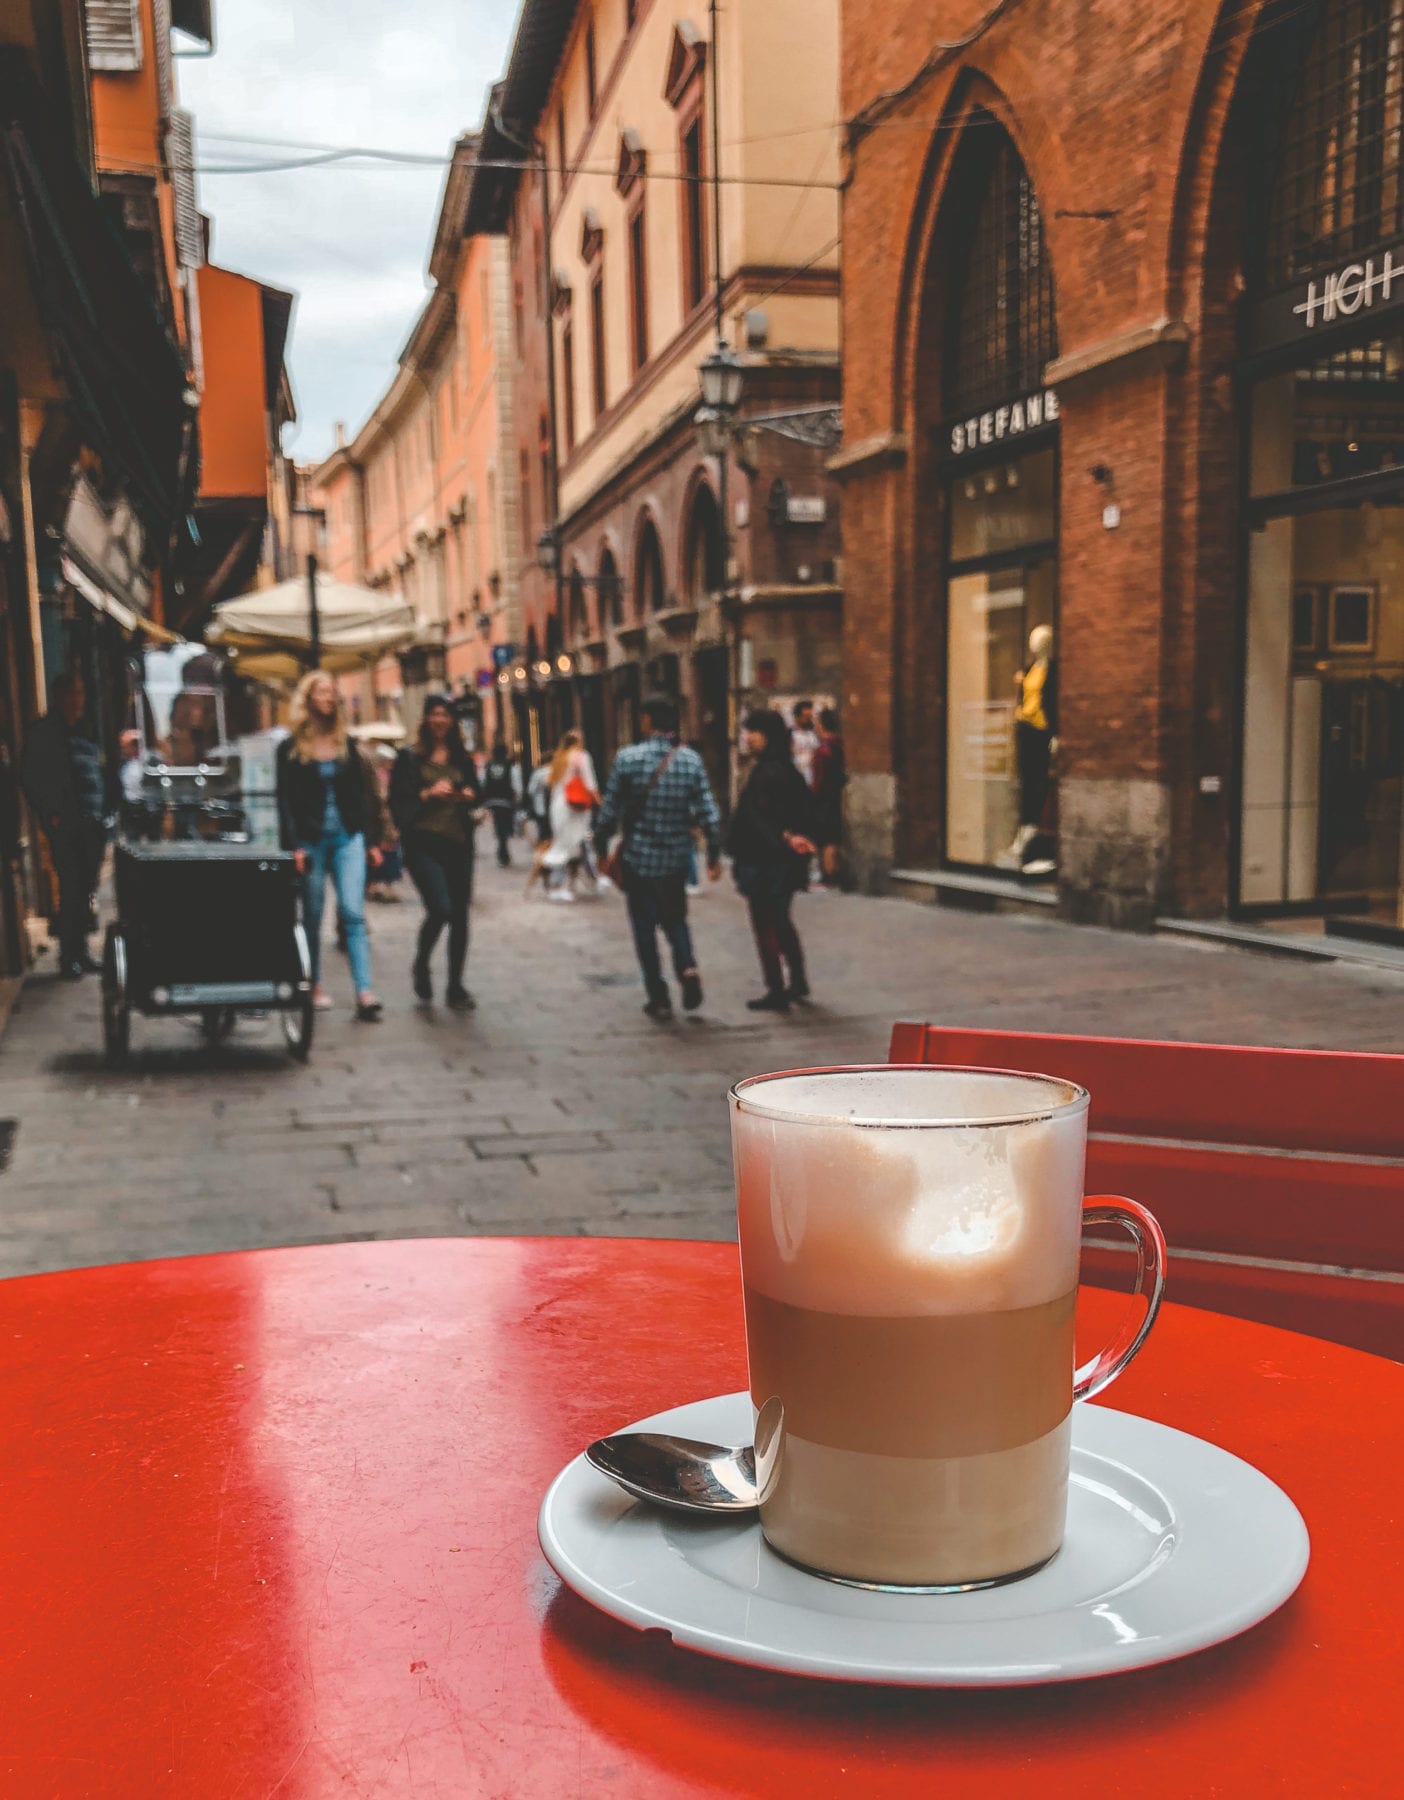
pixel 557 1107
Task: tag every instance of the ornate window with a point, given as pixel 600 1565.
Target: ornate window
pixel 650 587
pixel 1340 188
pixel 1002 330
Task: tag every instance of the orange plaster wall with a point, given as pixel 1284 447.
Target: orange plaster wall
pixel 233 422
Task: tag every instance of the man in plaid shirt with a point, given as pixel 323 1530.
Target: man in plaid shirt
pixel 657 809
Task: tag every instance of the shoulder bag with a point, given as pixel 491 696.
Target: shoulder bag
pixel 613 864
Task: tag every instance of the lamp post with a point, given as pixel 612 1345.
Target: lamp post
pixel 722 379
pixel 314 617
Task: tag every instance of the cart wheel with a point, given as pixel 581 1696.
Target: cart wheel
pixel 297 1028
pixel 298 1019
pixel 116 1006
pixel 217 1023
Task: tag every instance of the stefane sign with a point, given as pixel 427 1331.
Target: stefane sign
pixel 1001 423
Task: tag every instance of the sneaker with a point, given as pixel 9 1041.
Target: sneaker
pixel 423 985
pixel 460 999
pixel 368 1009
pixel 776 1003
pixel 799 995
pixel 562 896
pixel 691 991
pixel 659 1009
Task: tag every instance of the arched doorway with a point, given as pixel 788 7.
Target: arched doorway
pixel 703 555
pixel 1322 777
pixel 650 585
pixel 988 330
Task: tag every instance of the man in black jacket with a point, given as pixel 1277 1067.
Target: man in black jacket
pixel 61 773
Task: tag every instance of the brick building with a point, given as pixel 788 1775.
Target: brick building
pixel 424 500
pixel 1124 344
pixel 620 264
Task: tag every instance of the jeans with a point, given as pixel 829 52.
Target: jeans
pixel 776 937
pixel 659 903
pixel 443 872
pixel 342 857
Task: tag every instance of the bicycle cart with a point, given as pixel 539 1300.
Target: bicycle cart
pixel 208 917
pixel 210 929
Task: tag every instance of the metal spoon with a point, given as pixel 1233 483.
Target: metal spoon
pixel 691 1476
pixel 679 1472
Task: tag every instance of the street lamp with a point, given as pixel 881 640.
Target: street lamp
pixel 314 617
pixel 722 380
pixel 548 552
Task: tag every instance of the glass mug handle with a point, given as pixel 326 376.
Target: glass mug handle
pixel 1104 1368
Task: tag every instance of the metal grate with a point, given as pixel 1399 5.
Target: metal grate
pixel 1340 189
pixel 1004 330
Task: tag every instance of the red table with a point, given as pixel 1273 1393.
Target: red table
pixel 267 1526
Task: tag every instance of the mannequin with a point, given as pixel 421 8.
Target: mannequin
pixel 1035 742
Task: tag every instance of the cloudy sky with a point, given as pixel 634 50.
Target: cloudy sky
pixel 350 241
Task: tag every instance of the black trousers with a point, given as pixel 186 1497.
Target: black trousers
pixel 777 939
pixel 77 855
pixel 659 903
pixel 1033 750
pixel 502 823
pixel 443 872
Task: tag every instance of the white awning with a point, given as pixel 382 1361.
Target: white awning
pixel 356 625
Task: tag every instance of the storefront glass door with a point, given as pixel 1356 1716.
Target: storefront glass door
pixel 1002 585
pixel 1323 741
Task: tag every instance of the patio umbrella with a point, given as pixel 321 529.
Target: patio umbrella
pixel 267 632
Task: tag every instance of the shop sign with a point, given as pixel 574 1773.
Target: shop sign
pixel 1334 297
pixel 801 510
pixel 503 655
pixel 1001 423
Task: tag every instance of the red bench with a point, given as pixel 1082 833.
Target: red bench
pixel 1278 1175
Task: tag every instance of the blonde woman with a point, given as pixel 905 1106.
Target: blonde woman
pixel 574 796
pixel 332 818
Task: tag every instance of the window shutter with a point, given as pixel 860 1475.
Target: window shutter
pixel 114 34
pixel 165 67
pixel 180 151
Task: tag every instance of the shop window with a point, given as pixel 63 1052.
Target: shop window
pixel 1340 187
pixel 1001 473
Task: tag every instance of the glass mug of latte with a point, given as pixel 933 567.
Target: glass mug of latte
pixel 909 1252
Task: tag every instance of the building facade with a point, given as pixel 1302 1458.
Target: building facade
pixel 713 577
pixel 1150 402
pixel 104 364
pixel 423 500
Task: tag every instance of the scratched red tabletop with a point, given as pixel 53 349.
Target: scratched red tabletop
pixel 268 1526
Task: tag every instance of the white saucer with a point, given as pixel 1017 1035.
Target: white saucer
pixel 1172 1545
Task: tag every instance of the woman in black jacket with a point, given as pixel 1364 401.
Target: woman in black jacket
pixel 434 794
pixel 770 846
pixel 330 816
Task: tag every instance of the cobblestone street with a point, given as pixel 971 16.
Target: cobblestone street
pixel 557 1107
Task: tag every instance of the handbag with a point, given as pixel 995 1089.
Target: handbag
pixel 613 865
pixel 578 795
